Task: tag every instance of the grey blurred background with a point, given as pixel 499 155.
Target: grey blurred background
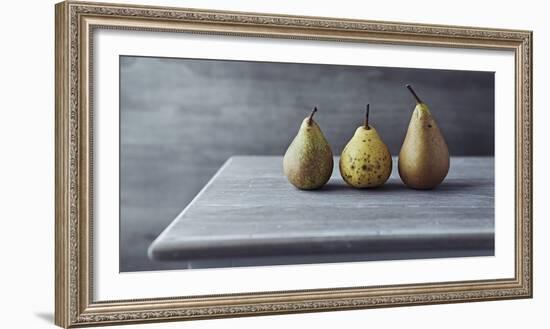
pixel 181 119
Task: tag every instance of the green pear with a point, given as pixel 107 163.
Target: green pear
pixel 308 162
pixel 424 156
pixel 366 161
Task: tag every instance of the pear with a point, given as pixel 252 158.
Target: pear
pixel 424 156
pixel 308 162
pixel 366 161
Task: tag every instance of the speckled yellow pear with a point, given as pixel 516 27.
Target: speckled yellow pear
pixel 424 156
pixel 366 161
pixel 308 162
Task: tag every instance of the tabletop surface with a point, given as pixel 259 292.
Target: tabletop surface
pixel 249 214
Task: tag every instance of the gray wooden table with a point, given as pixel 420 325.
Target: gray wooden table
pixel 248 214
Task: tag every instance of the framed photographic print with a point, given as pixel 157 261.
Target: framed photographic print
pixel 213 164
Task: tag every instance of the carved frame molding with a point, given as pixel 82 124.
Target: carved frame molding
pixel 75 25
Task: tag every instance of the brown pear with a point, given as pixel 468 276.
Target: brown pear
pixel 424 156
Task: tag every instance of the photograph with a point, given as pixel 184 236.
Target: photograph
pixel 227 163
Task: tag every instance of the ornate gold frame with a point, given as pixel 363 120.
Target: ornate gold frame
pixel 76 21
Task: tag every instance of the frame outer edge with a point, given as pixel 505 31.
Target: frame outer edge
pixel 73 309
pixel 529 94
pixel 62 304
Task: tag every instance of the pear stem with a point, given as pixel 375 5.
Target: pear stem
pixel 414 94
pixel 311 116
pixel 367 117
